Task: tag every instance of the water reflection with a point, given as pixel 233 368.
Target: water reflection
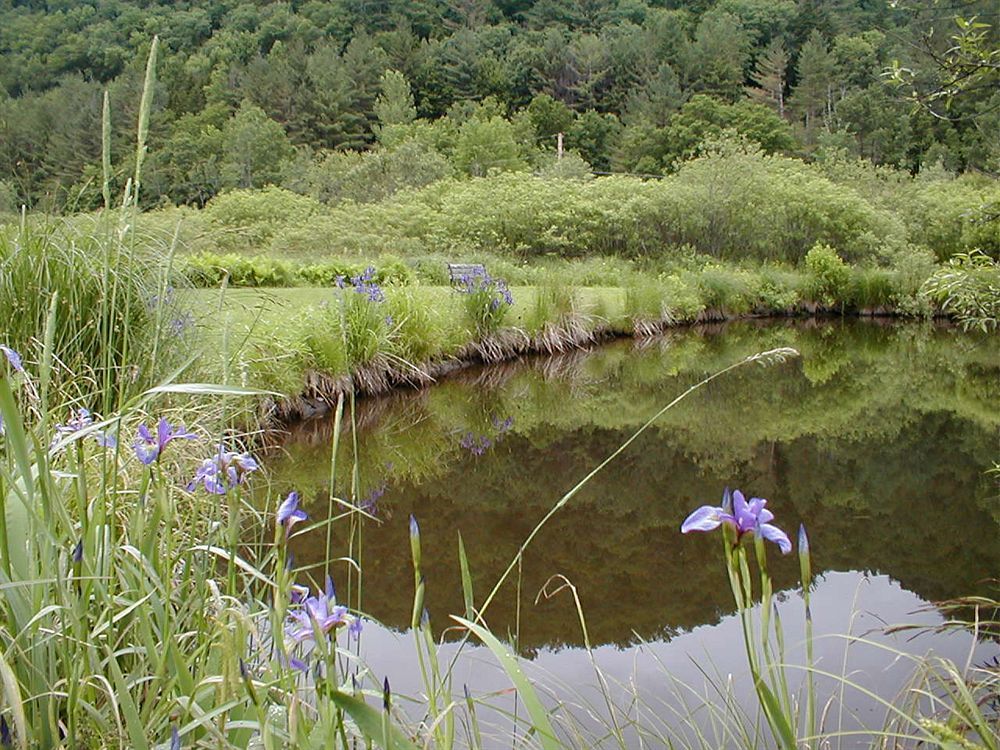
pixel 877 439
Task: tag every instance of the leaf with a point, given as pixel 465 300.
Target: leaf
pixel 128 708
pixel 539 716
pixel 371 723
pixel 466 579
pixel 12 695
pixel 775 716
pixel 209 389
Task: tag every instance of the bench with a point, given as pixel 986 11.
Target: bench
pixel 457 272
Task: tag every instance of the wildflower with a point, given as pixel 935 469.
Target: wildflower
pixel 289 513
pixel 149 448
pixel 745 517
pixel 155 300
pixel 366 285
pixel 76 423
pixel 477 445
pixel 355 628
pixel 13 358
pixel 83 419
pixel 224 471
pixel 175 739
pixel 78 552
pixel 179 325
pixel 369 503
pixel 318 614
pixel 502 426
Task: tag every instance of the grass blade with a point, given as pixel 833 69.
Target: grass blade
pixel 539 716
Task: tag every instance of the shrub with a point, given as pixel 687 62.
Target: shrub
pixel 778 289
pixel 210 269
pixel 870 289
pixel 829 275
pixel 646 309
pixel 727 290
pixel 954 216
pixel 246 220
pixel 969 288
pixel 741 203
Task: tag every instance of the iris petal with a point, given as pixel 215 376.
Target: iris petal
pixel 705 518
pixel 745 518
pixel 776 535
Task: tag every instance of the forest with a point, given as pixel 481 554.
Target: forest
pixel 388 95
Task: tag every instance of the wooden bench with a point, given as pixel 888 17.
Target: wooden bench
pixel 457 272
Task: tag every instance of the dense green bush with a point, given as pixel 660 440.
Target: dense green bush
pixel 954 216
pixel 733 203
pixel 208 269
pixel 245 220
pixel 829 276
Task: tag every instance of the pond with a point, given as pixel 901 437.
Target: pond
pixel 878 439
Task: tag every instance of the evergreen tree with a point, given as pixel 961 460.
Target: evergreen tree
pixel 813 96
pixel 769 77
pixel 590 66
pixel 718 58
pixel 657 102
pixel 394 105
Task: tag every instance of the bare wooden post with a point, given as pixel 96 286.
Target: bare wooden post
pixel 559 145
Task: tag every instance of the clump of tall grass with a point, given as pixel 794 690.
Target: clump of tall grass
pixel 652 305
pixel 555 321
pixel 114 303
pixel 486 301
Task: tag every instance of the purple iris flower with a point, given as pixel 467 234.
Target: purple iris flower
pixel 745 517
pixel 149 447
pixel 13 357
pixel 319 613
pixel 289 513
pixel 223 472
pixel 81 420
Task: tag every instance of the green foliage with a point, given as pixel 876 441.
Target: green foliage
pixel 969 287
pixel 247 219
pixel 238 87
pixel 113 303
pixel 487 145
pixel 704 119
pixel 255 149
pixel 829 275
pixel 207 269
pixel 955 216
pixel 485 300
pixel 368 176
pixel 394 105
pixel 737 202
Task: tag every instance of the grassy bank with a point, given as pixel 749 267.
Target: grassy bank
pixel 316 343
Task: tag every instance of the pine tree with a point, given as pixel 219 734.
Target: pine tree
pixel 769 77
pixel 394 105
pixel 717 58
pixel 814 94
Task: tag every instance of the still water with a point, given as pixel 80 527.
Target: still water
pixel 878 439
